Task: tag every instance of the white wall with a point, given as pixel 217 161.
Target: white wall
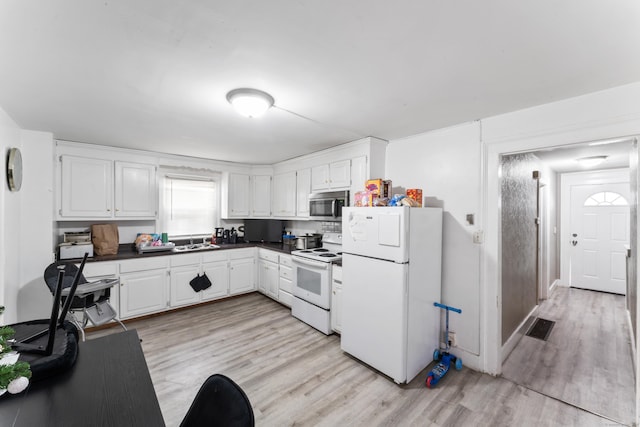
pixel 9 224
pixel 37 222
pixel 446 165
pixel 26 224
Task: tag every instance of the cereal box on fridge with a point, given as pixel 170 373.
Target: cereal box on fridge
pixel 379 187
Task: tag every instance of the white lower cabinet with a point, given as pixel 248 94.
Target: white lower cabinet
pixel 268 273
pixel 143 287
pixel 275 276
pixel 268 278
pixel 183 269
pixel 285 281
pixel 218 274
pixel 155 284
pixel 336 299
pixel 242 277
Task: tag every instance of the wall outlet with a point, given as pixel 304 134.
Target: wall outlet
pixel 478 237
pixel 452 339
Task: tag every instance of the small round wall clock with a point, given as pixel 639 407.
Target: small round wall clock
pixel 14 169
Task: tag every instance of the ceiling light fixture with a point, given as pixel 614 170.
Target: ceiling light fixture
pixel 250 102
pixel 591 161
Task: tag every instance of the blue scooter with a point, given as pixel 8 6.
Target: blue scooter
pixel 444 358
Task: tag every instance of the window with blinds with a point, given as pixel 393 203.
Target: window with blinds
pixel 189 206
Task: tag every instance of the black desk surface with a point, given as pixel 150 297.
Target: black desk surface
pixel 108 386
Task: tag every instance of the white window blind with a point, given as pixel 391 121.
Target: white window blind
pixel 189 206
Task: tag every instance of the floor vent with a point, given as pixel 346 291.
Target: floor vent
pixel 541 329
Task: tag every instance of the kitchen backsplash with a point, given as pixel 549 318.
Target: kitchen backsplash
pixel 128 230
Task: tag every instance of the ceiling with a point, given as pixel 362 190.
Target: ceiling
pixel 153 74
pixel 616 152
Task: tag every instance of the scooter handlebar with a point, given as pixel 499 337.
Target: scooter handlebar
pixel 447 307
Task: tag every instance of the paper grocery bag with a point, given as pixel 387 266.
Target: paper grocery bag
pixel 105 238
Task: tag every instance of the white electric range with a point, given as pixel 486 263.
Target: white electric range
pixel 312 282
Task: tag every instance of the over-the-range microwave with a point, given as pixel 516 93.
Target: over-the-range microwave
pixel 327 206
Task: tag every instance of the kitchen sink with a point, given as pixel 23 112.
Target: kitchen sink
pixel 195 247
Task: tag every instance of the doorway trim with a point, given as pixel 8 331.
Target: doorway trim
pixel 491 264
pixel 567 180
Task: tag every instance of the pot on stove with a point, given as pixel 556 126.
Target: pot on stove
pixel 302 242
pixel 308 241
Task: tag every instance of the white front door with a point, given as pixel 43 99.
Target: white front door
pixel 599 233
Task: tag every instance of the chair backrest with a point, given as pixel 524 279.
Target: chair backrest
pixel 219 402
pixel 70 270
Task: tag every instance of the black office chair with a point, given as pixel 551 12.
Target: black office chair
pixel 219 402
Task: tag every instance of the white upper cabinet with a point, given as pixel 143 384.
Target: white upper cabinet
pixel 90 188
pixel 284 195
pixel 359 175
pixel 303 188
pixel 246 196
pixel 135 190
pixel 87 187
pixel 236 202
pixel 320 177
pixel 334 175
pixel 261 196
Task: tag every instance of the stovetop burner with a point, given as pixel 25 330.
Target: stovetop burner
pixel 331 250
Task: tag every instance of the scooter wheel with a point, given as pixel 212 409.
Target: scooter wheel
pixel 458 364
pixel 429 379
pixel 436 355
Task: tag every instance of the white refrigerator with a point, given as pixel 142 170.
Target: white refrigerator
pixel 391 266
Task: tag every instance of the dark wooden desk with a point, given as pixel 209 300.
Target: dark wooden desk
pixel 108 386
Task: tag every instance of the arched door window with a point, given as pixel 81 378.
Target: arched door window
pixel 606 198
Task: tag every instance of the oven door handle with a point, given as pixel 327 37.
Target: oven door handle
pixel 316 264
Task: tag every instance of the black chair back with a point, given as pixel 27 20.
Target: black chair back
pixel 219 402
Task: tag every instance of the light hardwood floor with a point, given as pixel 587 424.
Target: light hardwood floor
pixel 586 359
pixel 295 375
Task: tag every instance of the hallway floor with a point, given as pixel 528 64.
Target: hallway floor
pixel 586 360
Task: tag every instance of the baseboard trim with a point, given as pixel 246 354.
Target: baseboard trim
pixel 520 331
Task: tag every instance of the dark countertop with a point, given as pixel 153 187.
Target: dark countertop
pixel 128 251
